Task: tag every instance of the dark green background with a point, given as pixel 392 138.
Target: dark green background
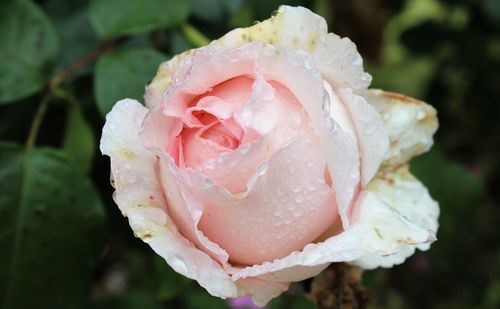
pixel 63 242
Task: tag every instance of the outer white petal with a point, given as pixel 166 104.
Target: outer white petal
pixel 405 194
pixel 371 134
pixel 410 123
pixel 292 28
pixel 139 196
pixel 378 230
pixel 262 291
pixel 299 28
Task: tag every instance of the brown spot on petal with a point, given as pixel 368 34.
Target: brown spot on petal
pixel 377 231
pixel 127 154
pixel 400 97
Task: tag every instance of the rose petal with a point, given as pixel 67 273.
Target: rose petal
pixel 262 291
pixel 140 197
pixel 371 134
pixel 287 205
pixel 410 124
pixel 212 65
pixel 156 131
pixel 299 28
pixel 378 230
pixel 223 101
pixel 404 193
pixel 342 152
pixel 293 28
pixel 186 210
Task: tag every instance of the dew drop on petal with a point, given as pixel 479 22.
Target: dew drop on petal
pixel 299 198
pixel 178 264
pixel 294 119
pixel 245 148
pixel 354 173
pixel 262 169
pixel 295 188
pixel 420 115
pixel 370 127
pixel 311 186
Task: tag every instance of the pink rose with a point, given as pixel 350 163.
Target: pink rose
pixel 261 158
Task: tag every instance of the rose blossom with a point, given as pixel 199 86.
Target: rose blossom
pixel 262 157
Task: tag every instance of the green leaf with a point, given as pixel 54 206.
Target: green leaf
pixel 453 185
pixel 124 74
pixel 215 10
pixel 491 9
pixel 459 192
pixel 72 22
pixel 79 141
pixel 28 43
pixel 114 18
pixel 179 43
pixel 51 221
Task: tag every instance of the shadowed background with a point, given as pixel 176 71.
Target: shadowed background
pixel 63 242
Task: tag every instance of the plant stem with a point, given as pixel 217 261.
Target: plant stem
pixel 37 121
pixel 54 90
pixel 194 36
pixel 57 80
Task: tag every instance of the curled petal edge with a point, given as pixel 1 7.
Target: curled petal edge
pixel 140 198
pixel 410 123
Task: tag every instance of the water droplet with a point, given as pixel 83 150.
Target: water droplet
pixel 354 173
pixel 297 213
pixel 299 198
pixel 210 165
pixel 311 186
pixel 295 188
pixel 420 115
pixel 206 183
pixel 112 181
pixel 308 63
pixel 262 169
pixel 326 105
pixel 324 192
pixel 245 148
pixel 278 212
pixel 147 237
pixel 370 127
pixel 357 61
pixel 294 119
pixel 178 264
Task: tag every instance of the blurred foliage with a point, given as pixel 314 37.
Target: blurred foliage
pixel 64 63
